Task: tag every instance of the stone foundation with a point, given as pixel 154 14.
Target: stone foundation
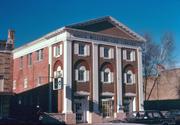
pixel 70 118
pixel 96 118
pixel 120 115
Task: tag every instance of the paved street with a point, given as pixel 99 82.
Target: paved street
pixel 114 124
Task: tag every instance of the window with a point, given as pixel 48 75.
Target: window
pixel 30 59
pixel 129 55
pixel 14 84
pixel 107 53
pixel 25 83
pixel 81 49
pixel 39 81
pixel 58 73
pixel 39 54
pixel 1 83
pixel 82 75
pixel 129 77
pixel 107 107
pixel 57 50
pixel 106 76
pixel 21 62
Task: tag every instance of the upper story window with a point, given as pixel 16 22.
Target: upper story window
pixel 107 76
pixel 39 54
pixel 21 62
pixel 57 50
pixel 129 55
pixel 14 84
pixel 129 77
pixel 58 73
pixel 29 59
pixel 25 83
pixel 81 74
pixel 1 83
pixel 106 52
pixel 82 49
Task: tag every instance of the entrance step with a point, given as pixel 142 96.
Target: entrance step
pixel 52 118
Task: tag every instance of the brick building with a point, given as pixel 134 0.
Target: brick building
pixel 99 62
pixel 6 67
pixel 166 87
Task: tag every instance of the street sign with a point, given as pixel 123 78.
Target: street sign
pixel 58 83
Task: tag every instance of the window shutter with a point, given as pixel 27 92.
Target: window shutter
pixel 112 53
pixel 134 78
pixel 124 55
pixel 101 51
pixel 60 49
pixel 87 75
pixel 76 48
pixel 87 49
pixel 54 51
pixel 102 76
pixel 112 77
pixel 125 78
pixel 134 56
pixel 76 75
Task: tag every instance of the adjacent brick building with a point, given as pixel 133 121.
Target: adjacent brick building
pixel 166 86
pixel 99 63
pixel 6 76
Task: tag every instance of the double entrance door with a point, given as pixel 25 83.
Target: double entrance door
pixel 80 108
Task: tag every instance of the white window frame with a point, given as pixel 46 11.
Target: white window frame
pixel 110 52
pixel 25 83
pixel 132 78
pixel 57 50
pixel 14 84
pixel 2 85
pixel 110 76
pixel 85 75
pixel 132 55
pixel 39 55
pixel 30 59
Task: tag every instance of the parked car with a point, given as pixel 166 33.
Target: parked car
pixel 174 114
pixel 149 117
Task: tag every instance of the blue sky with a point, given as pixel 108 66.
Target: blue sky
pixel 33 18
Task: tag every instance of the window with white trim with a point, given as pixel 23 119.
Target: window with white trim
pixel 29 59
pixel 107 76
pixel 1 84
pixel 39 54
pixel 129 55
pixel 82 74
pixel 57 50
pixel 14 85
pixel 129 77
pixel 106 52
pixel 58 73
pixel 81 49
pixel 21 62
pixel 39 81
pixel 25 83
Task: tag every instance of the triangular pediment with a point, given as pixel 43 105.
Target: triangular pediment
pixel 109 26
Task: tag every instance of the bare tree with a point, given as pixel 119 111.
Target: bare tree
pixel 155 55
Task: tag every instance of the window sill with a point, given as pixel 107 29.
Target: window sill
pixel 107 82
pixel 129 83
pixel 79 81
pixel 82 55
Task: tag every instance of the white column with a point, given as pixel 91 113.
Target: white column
pixel 67 106
pixel 95 78
pixel 119 78
pixel 50 62
pixel 140 79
